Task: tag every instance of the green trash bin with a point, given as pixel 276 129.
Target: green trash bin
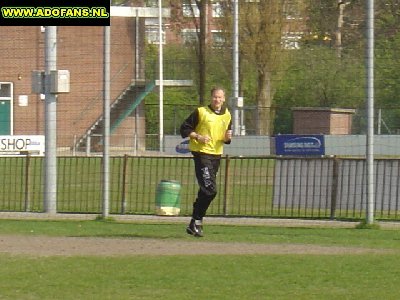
pixel 168 199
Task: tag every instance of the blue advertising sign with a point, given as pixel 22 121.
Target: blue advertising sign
pixel 183 147
pixel 294 144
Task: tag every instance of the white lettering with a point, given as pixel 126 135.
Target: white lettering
pixel 300 145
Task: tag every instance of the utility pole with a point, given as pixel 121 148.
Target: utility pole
pixel 106 128
pixel 161 77
pixel 235 82
pixel 50 186
pixel 370 109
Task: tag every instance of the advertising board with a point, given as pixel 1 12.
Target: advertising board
pixel 294 144
pixel 22 144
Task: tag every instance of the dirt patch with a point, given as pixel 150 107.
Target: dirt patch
pixel 84 246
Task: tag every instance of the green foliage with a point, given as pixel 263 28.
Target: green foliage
pixel 283 121
pixel 179 102
pixel 101 218
pixel 318 78
pixel 387 18
pixel 322 16
pixel 387 76
pixel 178 64
pixel 387 70
pixel 364 225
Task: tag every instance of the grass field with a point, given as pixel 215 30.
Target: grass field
pixel 261 276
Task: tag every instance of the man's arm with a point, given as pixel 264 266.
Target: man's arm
pixel 228 134
pixel 188 126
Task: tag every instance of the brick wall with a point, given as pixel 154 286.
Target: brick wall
pixel 21 51
pixel 322 121
pixel 79 50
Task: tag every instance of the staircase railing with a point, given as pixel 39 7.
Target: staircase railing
pixel 148 88
pixel 91 103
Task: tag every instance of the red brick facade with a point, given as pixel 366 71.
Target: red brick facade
pixel 322 120
pixel 79 50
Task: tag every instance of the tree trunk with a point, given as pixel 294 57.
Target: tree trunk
pixel 264 103
pixel 341 6
pixel 202 5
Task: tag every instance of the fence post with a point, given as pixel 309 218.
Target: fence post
pixel 334 187
pixel 88 145
pixel 27 182
pixel 226 188
pixel 123 200
pixel 74 147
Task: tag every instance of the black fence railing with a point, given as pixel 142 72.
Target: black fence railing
pixel 323 188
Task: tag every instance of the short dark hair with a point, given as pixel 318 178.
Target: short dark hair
pixel 217 88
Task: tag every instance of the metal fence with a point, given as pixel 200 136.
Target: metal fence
pixel 248 186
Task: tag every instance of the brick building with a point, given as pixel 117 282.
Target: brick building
pixel 180 27
pixel 322 120
pixel 81 51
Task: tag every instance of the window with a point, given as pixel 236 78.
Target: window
pixel 291 40
pixel 189 36
pixel 152 31
pixel 5 90
pixel 151 3
pixel 153 36
pixel 217 11
pixel 291 11
pixel 218 38
pixel 6 108
pixel 190 9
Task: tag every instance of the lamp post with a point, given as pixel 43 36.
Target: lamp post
pixel 161 78
pixel 235 71
pixel 50 194
pixel 237 102
pixel 370 109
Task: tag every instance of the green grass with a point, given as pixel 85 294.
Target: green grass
pixel 371 238
pixel 368 276
pixel 204 277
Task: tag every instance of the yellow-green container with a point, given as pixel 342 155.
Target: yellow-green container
pixel 168 199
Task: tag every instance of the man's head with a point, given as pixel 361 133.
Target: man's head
pixel 217 97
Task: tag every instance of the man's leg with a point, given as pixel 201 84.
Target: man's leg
pixel 206 171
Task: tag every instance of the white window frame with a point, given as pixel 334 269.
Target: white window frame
pixel 216 43
pixel 290 40
pixel 187 10
pixel 217 11
pixel 186 33
pixel 152 35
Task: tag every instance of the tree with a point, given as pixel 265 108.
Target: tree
pixel 262 26
pixel 129 2
pixel 202 34
pixel 200 24
pixel 317 77
pixel 336 23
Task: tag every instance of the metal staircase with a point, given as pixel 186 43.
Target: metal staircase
pixel 121 108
